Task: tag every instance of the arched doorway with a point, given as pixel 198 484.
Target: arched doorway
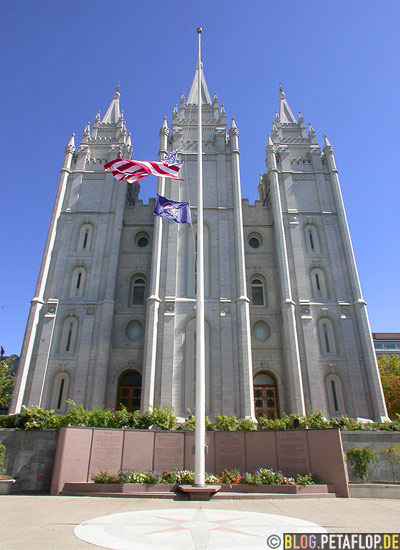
pixel 129 390
pixel 265 395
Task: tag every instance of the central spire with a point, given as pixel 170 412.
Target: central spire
pixel 193 94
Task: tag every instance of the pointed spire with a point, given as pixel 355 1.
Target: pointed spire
pixel 164 130
pixel 270 142
pixel 97 118
pixel 128 141
pixel 327 143
pixel 285 112
pixel 233 124
pixel 86 131
pixel 113 113
pixel 70 147
pixel 175 110
pixel 215 98
pixel 205 94
pixel 183 99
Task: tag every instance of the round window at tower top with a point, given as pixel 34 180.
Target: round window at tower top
pixel 142 239
pixel 254 240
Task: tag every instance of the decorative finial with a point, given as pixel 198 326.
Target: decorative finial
pixel 117 90
pixel 199 30
pixel 280 87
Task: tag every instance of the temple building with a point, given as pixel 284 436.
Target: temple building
pixel 112 320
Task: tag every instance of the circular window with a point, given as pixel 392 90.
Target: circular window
pixel 134 331
pixel 142 239
pixel 254 240
pixel 261 332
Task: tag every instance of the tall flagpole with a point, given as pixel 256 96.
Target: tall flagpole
pixel 200 431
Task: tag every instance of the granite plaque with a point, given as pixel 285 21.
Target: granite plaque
pixel 138 450
pixel 168 451
pixel 106 452
pixel 261 450
pixel 327 459
pixel 190 450
pixel 71 460
pixel 293 453
pixel 230 451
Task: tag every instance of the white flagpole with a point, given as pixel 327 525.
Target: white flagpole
pixel 200 432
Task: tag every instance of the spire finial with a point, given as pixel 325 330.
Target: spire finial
pixel 280 87
pixel 117 90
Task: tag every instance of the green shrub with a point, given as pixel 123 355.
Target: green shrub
pixel 306 479
pixel 361 459
pixel 246 425
pixel 2 456
pixel 232 477
pixel 140 421
pixel 392 455
pixel 164 417
pixel 38 418
pixel 4 420
pixel 267 476
pixel 224 423
pixel 264 423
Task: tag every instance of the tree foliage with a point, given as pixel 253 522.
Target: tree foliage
pixel 7 381
pixel 389 368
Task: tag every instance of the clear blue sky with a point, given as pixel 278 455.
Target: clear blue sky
pixel 338 62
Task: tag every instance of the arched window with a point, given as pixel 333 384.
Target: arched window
pixel 77 282
pixel 129 390
pixel 190 366
pixel 265 395
pixel 318 284
pixel 138 287
pixel 192 263
pixel 258 294
pixel 327 336
pixel 60 392
pixel 312 240
pixel 68 336
pixel 335 395
pixel 85 237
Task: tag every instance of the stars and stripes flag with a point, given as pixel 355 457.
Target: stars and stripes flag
pixel 135 170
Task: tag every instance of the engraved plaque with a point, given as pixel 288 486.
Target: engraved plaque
pixel 138 450
pixel 293 453
pixel 168 451
pixel 230 451
pixel 106 452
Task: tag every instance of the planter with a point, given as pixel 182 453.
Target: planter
pixel 282 489
pixel 124 488
pixel 6 486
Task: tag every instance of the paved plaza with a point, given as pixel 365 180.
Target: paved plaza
pixel 63 523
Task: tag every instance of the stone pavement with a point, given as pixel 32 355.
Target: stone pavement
pixel 48 522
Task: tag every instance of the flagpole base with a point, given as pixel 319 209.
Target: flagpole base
pixel 195 492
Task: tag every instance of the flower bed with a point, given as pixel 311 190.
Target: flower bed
pixel 229 478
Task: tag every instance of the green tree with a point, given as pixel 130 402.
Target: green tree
pixel 7 381
pixel 389 368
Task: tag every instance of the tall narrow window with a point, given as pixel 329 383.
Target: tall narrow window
pixel 85 237
pixel 60 392
pixel 257 292
pixel 68 336
pixel 138 287
pixel 77 282
pixel 318 284
pixel 312 240
pixel 335 395
pixel 327 336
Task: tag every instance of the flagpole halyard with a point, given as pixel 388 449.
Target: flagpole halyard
pixel 199 475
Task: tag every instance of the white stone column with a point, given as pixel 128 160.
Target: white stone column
pixel 38 301
pixel 291 347
pixel 374 381
pixel 153 301
pixel 242 302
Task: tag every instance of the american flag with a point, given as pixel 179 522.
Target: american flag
pixel 135 170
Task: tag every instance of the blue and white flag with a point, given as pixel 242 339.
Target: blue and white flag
pixel 177 211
